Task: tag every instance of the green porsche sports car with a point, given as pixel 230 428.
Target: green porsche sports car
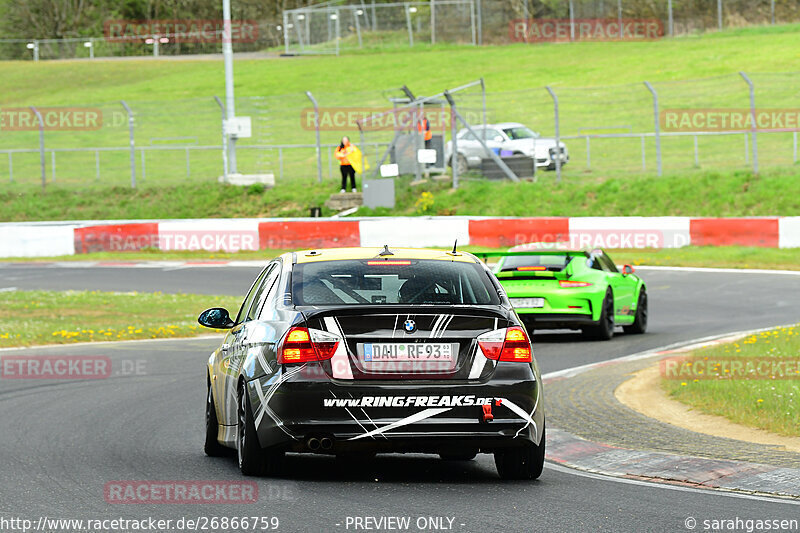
pixel 572 289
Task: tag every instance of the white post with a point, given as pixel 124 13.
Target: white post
pixel 227 56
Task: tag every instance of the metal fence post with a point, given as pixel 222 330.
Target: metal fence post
pixel 472 22
pixel 571 21
pixel 669 18
pixel 696 155
pixel 316 129
pixel 588 153
pixel 358 27
pixel 656 124
pixel 479 9
pixel 746 149
pixel 132 143
pixel 619 18
pixel 224 141
pixel 753 118
pixel 772 11
pixel 483 102
pixel 41 145
pixel 558 134
pixel 408 24
pixel 433 21
pixel 338 30
pixel 285 32
pixel 416 118
pixel 644 161
pixel 719 15
pixel 454 139
pixel 280 162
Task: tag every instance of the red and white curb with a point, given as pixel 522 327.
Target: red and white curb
pixel 740 477
pixel 40 239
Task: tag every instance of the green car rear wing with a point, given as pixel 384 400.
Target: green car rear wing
pixel 526 274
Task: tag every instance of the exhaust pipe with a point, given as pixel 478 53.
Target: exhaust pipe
pixel 326 443
pixel 313 443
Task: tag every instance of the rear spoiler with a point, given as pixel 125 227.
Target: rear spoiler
pixel 574 253
pixel 533 274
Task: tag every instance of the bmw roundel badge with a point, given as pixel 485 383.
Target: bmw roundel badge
pixel 410 326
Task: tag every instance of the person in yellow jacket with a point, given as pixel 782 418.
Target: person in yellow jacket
pixel 344 153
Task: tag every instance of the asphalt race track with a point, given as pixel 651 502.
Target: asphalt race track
pixel 61 442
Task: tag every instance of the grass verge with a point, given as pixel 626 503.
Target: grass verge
pixel 30 318
pixel 732 193
pixel 754 381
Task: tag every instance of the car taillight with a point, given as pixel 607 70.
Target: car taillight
pixel 507 344
pixel 301 345
pixel 566 284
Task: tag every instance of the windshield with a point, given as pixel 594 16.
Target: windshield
pixel 520 132
pixel 552 263
pixel 396 281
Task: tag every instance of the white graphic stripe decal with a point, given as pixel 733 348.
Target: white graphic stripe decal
pixel 422 415
pixel 265 398
pixel 478 363
pixel 436 325
pixel 530 417
pixel 517 410
pixel 445 324
pixel 340 362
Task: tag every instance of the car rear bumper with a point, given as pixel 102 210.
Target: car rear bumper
pixel 537 320
pixel 425 417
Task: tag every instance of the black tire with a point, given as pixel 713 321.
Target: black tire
pixel 604 329
pixel 253 461
pixel 639 325
pixel 464 455
pixel 526 462
pixel 212 446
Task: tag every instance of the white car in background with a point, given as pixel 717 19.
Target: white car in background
pixel 511 137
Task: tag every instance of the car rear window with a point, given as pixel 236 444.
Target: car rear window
pixel 391 282
pixel 551 263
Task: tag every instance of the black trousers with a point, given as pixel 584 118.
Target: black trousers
pixel 348 170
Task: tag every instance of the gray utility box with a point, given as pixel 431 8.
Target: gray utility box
pixel 379 193
pixel 405 154
pixel 521 165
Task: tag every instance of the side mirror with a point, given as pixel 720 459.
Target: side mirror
pixel 216 317
pixel 627 269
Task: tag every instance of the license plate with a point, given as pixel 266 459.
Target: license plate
pixel 527 303
pixel 395 351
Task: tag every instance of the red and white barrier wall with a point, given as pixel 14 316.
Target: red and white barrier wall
pixel 67 238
